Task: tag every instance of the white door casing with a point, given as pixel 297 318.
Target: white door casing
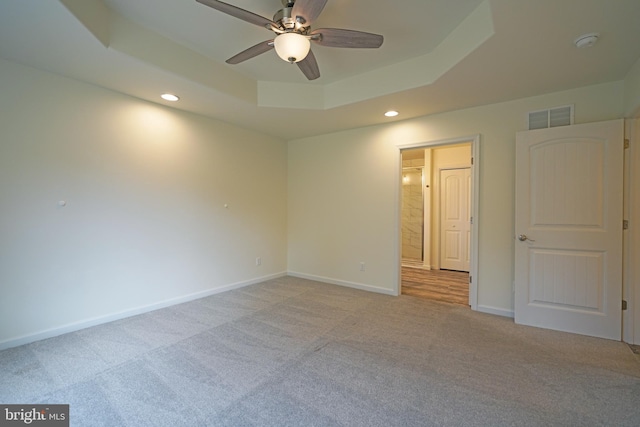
pixel 474 276
pixel 568 228
pixel 455 224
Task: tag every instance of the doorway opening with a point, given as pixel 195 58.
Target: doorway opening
pixel 438 243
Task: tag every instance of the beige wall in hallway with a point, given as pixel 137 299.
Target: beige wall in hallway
pixel 451 156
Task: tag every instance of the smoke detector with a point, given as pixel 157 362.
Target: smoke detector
pixel 586 40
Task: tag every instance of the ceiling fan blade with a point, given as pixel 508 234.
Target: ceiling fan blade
pixel 253 51
pixel 234 11
pixel 309 10
pixel 336 37
pixel 309 66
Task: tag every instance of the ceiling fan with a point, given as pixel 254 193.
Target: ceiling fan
pixel 292 26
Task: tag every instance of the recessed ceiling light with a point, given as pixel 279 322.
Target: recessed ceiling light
pixel 391 113
pixel 169 97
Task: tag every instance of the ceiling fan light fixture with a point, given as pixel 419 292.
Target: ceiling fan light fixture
pixel 292 47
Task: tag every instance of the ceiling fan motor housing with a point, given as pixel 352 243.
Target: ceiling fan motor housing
pixel 288 23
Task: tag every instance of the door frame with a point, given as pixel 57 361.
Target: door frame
pixel 474 276
pixel 631 237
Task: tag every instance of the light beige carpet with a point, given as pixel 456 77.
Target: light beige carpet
pixel 293 352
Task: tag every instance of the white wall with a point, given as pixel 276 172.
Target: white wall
pixel 632 91
pixel 339 214
pixel 631 325
pixel 343 191
pixel 145 187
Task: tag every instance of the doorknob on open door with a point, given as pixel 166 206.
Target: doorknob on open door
pixel 523 237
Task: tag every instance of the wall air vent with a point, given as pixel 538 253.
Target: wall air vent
pixel 557 116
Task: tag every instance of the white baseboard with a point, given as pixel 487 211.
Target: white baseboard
pixel 344 283
pixel 76 326
pixel 496 311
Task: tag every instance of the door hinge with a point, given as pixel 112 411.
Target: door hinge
pixel 626 143
pixel 472 160
pixel 625 224
pixel 624 305
pixel 471 220
pixel 470 279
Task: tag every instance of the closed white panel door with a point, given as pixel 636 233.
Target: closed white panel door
pixel 455 230
pixel 568 272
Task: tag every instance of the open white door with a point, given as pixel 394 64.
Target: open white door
pixel 568 248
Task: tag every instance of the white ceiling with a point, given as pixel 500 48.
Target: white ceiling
pixel 438 55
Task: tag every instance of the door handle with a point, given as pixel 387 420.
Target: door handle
pixel 523 238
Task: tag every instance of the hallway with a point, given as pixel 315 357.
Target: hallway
pixel 438 285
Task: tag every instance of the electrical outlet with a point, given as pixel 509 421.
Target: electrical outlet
pixel 258 261
pixel 362 265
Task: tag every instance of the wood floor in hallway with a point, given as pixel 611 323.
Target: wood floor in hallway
pixel 440 285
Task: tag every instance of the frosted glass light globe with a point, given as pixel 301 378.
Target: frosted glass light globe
pixel 292 47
